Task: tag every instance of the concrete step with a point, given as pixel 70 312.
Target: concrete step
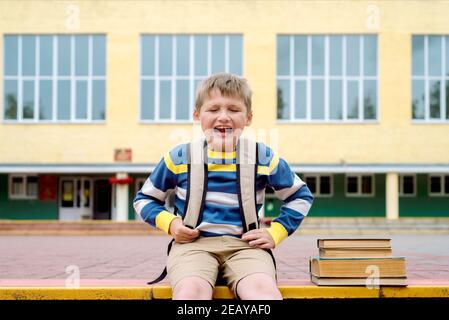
pixel 74 228
pixel 310 225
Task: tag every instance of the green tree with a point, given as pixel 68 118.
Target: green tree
pixel 11 107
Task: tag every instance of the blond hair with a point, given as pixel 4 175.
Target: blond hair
pixel 228 84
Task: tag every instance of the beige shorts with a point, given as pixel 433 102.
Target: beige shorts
pixel 206 256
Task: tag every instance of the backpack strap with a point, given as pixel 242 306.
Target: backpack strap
pixel 196 182
pixel 246 182
pixel 164 272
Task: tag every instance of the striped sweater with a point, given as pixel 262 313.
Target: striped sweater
pixel 221 214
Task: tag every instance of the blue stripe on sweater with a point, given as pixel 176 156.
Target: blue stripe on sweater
pixel 302 193
pixel 290 219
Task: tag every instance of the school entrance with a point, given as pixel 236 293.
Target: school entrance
pixel 84 198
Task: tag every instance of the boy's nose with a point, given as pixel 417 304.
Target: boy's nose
pixel 223 115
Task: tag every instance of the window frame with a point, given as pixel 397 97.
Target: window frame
pixel 174 77
pixel 401 186
pixel 359 193
pixel 292 78
pixel 434 194
pixel 318 177
pixel 23 195
pixel 443 78
pixel 55 78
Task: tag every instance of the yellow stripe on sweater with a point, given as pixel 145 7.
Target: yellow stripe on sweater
pixel 221 155
pixel 221 167
pixel 182 168
pixel 163 221
pixel 175 168
pixel 277 232
pixel 267 170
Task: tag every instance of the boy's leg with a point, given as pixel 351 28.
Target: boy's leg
pixel 250 272
pixel 192 288
pixel 192 269
pixel 258 286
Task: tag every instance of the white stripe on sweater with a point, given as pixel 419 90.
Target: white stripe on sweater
pixel 299 205
pixel 150 190
pixel 222 198
pixel 283 194
pixel 140 204
pixel 220 228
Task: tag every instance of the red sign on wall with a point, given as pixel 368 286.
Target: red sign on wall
pixel 123 155
pixel 48 187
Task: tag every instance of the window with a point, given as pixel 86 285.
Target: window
pixel 439 185
pixel 430 78
pixel 319 185
pixel 360 185
pixel 23 187
pixel 173 65
pixel 327 78
pixel 407 185
pixel 54 78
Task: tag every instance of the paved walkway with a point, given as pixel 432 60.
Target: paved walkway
pixel 40 260
pixel 132 260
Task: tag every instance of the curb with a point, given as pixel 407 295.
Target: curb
pixel 221 292
pixel 107 293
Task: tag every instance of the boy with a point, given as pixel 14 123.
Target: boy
pixel 218 243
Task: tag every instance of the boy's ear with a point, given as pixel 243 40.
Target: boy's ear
pixel 196 115
pixel 249 118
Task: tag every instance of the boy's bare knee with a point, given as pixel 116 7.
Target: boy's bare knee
pixel 258 286
pixel 192 288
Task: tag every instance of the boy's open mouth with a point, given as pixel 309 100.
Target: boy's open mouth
pixel 223 130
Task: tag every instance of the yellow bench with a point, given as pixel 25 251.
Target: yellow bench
pixel 221 292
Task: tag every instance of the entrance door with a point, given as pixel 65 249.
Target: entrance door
pixel 102 200
pixel 75 198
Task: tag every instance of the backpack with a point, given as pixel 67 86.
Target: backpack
pixel 246 165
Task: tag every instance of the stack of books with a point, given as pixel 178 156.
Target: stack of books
pixel 357 262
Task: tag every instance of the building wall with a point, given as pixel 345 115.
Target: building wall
pixel 37 209
pixel 24 209
pixel 421 204
pixel 342 206
pixel 394 139
pixel 339 205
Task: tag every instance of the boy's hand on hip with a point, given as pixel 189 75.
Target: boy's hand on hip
pixel 181 233
pixel 259 238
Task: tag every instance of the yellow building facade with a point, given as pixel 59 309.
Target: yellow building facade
pixel 391 145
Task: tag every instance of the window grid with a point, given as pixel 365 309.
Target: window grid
pixel 427 78
pixel 359 192
pixel 192 78
pixel 23 192
pixel 37 81
pixel 326 76
pixel 318 177
pixel 401 185
pixel 443 192
pixel 54 78
pixel 54 87
pixel 360 78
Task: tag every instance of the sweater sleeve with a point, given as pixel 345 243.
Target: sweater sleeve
pixel 295 195
pixel 149 202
